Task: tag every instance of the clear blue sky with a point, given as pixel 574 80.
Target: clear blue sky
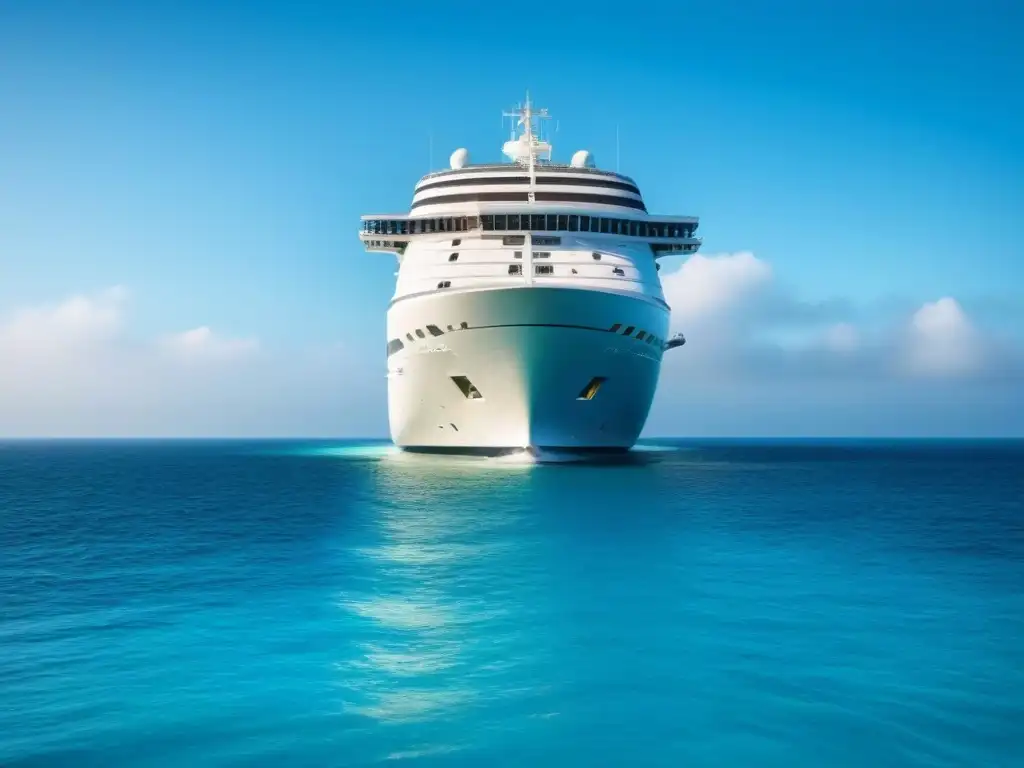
pixel 215 160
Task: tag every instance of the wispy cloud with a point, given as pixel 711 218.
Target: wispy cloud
pixel 759 360
pixel 202 344
pixel 77 367
pixel 759 354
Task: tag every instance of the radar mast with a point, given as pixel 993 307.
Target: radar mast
pixel 527 148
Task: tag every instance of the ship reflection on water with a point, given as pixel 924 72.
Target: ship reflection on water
pixel 436 638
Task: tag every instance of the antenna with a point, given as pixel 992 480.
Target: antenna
pixel 527 148
pixel 616 147
pixel 431 141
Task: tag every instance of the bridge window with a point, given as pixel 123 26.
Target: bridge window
pixel 596 256
pixel 409 337
pixel 464 325
pixel 618 271
pixel 537 221
pixel 584 223
pixel 629 331
pixel 640 335
pixel 395 345
pixel 615 328
pixel 515 269
pixel 445 284
pixel 513 222
pixel 420 334
pixel 488 222
pixel 435 331
pixel 563 222
pixel 605 224
pixel 552 222
pixel 456 241
pixel 574 223
pixel 544 269
pixel 500 220
pixel 453 257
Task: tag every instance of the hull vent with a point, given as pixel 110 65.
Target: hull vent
pixel 466 387
pixel 591 389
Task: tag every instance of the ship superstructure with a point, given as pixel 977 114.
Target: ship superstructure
pixel 528 310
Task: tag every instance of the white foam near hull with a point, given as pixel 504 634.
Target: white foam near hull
pixel 530 352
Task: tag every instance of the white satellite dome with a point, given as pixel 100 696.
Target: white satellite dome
pixel 460 158
pixel 582 159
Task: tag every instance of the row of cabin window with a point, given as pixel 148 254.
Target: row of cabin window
pixel 536 254
pixel 515 222
pixel 432 329
pixel 396 345
pixel 538 269
pixel 650 338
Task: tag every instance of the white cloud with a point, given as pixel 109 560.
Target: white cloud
pixel 74 368
pixel 734 313
pixel 758 359
pixel 78 321
pixel 758 354
pixel 942 341
pixel 710 287
pixel 841 338
pixel 203 344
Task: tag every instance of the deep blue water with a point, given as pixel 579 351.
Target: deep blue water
pixel 324 604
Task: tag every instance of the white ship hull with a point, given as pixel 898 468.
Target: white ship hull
pixel 530 352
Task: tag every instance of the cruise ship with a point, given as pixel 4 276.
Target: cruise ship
pixel 528 311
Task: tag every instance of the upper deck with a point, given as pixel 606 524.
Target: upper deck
pixel 483 186
pixel 530 194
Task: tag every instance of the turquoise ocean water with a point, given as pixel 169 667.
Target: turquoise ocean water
pixel 708 603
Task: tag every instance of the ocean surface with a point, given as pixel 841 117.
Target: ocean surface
pixel 701 603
